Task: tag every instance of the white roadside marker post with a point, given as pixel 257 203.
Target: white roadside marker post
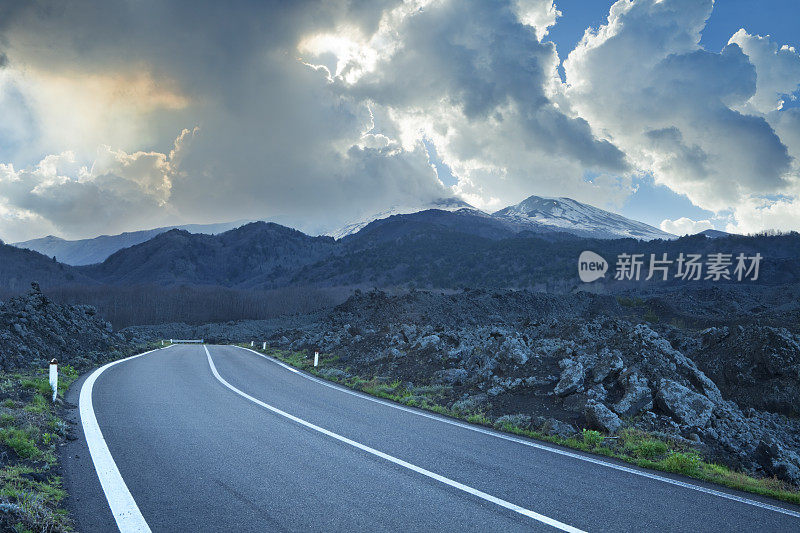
pixel 162 343
pixel 251 343
pixel 54 378
pixel 316 358
pixel 265 346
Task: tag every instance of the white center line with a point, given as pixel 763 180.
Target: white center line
pixel 447 481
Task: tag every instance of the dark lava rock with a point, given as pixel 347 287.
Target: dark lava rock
pixel 34 330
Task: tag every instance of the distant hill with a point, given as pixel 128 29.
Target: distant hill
pixel 434 248
pixel 714 233
pixel 97 249
pixel 261 254
pixel 462 221
pixel 428 249
pixel 18 267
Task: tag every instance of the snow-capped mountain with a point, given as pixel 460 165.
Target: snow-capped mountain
pixel 443 204
pixel 538 214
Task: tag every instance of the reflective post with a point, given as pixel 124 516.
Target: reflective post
pixel 54 378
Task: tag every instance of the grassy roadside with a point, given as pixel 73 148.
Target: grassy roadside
pixel 630 445
pixel 31 429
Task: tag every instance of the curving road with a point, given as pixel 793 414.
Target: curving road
pixel 219 438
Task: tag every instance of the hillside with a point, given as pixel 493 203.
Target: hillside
pixel 18 268
pixel 357 224
pixel 259 254
pixel 535 214
pixel 98 249
pixel 453 250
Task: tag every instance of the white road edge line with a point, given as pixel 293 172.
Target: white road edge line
pixel 532 444
pixel 447 481
pixel 123 507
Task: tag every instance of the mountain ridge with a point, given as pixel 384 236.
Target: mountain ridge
pixel 536 214
pixel 258 253
pixel 357 224
pixel 432 248
pixel 79 252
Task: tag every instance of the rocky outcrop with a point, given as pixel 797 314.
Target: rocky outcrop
pixel 451 376
pixel 756 366
pixel 553 426
pixel 683 405
pixel 637 396
pixel 598 416
pixel 571 379
pixel 34 330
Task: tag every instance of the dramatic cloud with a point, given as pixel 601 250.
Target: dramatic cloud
pixel 777 67
pixel 685 226
pixel 697 120
pixel 275 141
pixel 60 193
pixel 475 80
pixel 314 112
pixel 537 13
pixel 757 214
pixel 644 80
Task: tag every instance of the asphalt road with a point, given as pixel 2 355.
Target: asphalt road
pixel 260 447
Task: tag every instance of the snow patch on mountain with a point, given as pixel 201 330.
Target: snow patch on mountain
pixel 443 204
pixel 537 214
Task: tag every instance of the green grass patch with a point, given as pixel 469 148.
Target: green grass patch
pixel 66 376
pixel 38 405
pixel 391 391
pixel 642 445
pixel 651 316
pixel 40 385
pixel 686 463
pixel 36 501
pixel 592 438
pixel 30 432
pixel 650 448
pixel 479 418
pixel 21 442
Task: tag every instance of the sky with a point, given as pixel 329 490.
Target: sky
pixel 124 115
